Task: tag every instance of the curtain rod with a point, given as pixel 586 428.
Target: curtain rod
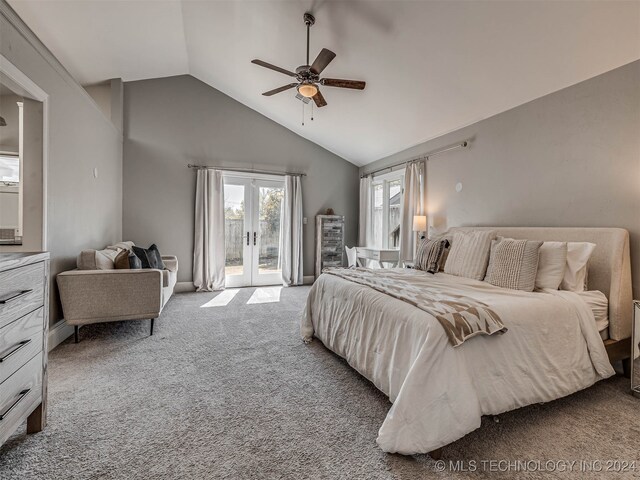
pixel 247 170
pixel 463 144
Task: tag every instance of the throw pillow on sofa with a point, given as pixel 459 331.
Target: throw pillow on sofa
pixel 127 260
pixel 122 246
pixel 97 259
pixel 150 257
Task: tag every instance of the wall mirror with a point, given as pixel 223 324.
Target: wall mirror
pixel 635 351
pixel 11 172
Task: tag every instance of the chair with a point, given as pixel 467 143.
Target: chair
pixel 351 256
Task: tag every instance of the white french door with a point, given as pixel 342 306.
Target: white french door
pixel 252 230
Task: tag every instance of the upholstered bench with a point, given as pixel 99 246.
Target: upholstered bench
pixel 108 294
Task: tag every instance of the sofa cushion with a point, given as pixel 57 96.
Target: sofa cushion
pixel 97 259
pixel 150 257
pixel 134 262
pixel 122 246
pixel 122 260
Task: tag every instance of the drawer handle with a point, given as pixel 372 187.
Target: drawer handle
pixel 23 343
pixel 15 296
pixel 21 395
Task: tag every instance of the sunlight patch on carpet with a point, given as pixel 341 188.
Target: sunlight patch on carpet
pixel 222 299
pixel 266 295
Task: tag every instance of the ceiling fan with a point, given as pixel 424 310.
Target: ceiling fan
pixel 307 76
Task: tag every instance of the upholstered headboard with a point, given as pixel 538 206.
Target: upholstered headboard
pixel 609 266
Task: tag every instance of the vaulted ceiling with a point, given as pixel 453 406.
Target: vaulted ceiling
pixel 430 67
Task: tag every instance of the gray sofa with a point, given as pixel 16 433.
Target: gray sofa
pixel 98 292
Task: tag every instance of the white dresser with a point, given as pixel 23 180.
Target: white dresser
pixel 24 328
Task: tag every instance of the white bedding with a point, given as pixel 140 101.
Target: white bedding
pixel 552 349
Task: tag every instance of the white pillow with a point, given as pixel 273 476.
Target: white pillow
pixel 552 261
pixel 469 254
pixel 97 259
pixel 575 274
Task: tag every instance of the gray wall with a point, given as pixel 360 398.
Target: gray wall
pixel 83 211
pixel 173 121
pixel 571 158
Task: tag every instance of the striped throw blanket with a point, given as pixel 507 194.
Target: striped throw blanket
pixel 461 317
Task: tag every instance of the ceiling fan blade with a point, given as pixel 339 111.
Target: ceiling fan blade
pixel 336 82
pixel 279 89
pixel 272 67
pixel 319 99
pixel 322 60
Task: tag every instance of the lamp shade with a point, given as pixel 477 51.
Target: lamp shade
pixel 419 223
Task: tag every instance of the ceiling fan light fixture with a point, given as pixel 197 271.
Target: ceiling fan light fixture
pixel 307 90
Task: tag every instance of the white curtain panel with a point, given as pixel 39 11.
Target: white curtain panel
pixel 208 243
pixel 291 232
pixel 411 205
pixel 364 221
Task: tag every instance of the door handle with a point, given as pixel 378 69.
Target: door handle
pixel 254 238
pixel 247 238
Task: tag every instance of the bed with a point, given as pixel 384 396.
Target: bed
pixel 440 392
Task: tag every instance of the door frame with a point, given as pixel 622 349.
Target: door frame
pixel 21 83
pixel 251 276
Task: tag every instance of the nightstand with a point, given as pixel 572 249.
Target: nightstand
pixel 635 350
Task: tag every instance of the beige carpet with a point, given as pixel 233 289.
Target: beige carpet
pixel 231 392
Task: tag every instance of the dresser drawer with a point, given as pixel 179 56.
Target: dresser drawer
pixel 19 395
pixel 21 291
pixel 20 341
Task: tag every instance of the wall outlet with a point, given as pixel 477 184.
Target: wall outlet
pixel 304 220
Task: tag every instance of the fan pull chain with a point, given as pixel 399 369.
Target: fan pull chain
pixel 311 111
pixel 303 114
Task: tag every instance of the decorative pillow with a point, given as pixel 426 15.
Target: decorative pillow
pixel 122 246
pixel 134 262
pixel 552 261
pixel 122 260
pixel 575 274
pixel 513 263
pixel 149 257
pixel 97 259
pixel 469 254
pixel 449 238
pixel 429 254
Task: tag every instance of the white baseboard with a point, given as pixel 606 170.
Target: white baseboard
pixel 59 333
pixel 308 279
pixel 182 287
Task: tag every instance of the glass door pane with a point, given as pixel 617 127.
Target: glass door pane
pixel 237 262
pixel 268 210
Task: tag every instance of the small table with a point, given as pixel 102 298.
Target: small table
pixel 377 255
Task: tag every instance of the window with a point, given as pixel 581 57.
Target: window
pixel 387 193
pixel 9 169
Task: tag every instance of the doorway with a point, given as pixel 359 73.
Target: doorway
pixel 252 215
